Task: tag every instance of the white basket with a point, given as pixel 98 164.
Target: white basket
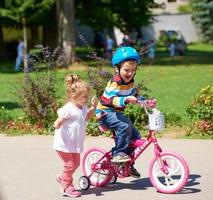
pixel 156 120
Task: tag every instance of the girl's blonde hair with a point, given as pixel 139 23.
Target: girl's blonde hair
pixel 75 86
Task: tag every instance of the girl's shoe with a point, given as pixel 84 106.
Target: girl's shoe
pixel 71 192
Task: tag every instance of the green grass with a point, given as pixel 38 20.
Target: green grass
pixel 10 88
pixel 175 87
pixel 173 82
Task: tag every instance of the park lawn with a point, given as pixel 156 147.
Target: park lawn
pixel 173 82
pixel 173 86
pixel 10 87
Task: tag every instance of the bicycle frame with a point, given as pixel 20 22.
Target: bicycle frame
pixel 151 138
pixel 140 145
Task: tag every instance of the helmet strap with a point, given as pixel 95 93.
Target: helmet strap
pixel 117 69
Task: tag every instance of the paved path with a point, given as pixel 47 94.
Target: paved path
pixel 28 167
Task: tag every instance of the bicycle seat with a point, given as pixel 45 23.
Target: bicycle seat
pixel 137 143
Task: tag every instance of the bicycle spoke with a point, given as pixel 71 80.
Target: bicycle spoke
pixel 173 170
pixel 172 181
pixel 159 172
pixel 167 180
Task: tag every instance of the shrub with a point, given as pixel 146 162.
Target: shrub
pixel 201 111
pixel 173 119
pixel 4 117
pixel 38 98
pixel 98 79
pixel 137 115
pixel 38 93
pixel 93 130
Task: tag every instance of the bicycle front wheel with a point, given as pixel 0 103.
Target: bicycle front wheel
pixel 175 179
pixel 99 175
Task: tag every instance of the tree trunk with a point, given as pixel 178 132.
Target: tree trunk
pixel 34 36
pixel 2 47
pixel 50 37
pixel 66 29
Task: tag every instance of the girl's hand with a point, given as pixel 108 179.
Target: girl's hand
pixel 58 123
pixel 151 103
pixel 131 99
pixel 94 101
pixel 91 111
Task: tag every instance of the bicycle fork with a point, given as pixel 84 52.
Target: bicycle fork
pixel 157 151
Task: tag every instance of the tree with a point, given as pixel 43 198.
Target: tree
pixel 203 18
pixel 12 13
pixel 127 15
pixel 42 12
pixel 66 29
pixel 33 10
pixel 2 48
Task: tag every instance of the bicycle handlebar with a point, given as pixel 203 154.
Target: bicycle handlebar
pixel 143 104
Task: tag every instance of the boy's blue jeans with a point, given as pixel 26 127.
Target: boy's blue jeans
pixel 124 130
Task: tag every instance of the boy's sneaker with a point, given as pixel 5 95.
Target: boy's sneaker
pixel 121 157
pixel 71 192
pixel 134 173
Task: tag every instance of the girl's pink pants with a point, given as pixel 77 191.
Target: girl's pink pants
pixel 71 162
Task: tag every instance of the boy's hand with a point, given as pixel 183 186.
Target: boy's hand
pixel 131 99
pixel 151 103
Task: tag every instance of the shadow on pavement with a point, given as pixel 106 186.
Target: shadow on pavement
pixel 141 184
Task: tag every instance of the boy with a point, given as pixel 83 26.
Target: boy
pixel 120 90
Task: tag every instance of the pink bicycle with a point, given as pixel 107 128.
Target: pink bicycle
pixel 168 171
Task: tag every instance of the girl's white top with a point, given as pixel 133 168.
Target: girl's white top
pixel 70 136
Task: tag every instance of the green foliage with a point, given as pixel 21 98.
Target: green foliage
pixel 108 13
pixel 186 8
pixel 39 91
pixel 33 10
pixel 4 117
pixel 201 110
pixel 137 115
pixel 93 129
pixel 173 119
pixel 203 18
pixel 98 79
pixel 172 82
pixel 38 98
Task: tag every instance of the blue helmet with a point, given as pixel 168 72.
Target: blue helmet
pixel 125 53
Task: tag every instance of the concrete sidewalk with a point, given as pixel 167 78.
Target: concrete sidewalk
pixel 28 167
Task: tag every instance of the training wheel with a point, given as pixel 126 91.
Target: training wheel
pixel 84 182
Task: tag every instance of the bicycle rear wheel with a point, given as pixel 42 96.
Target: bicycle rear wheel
pixel 101 174
pixel 177 177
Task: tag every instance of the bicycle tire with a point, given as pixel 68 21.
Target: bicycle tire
pixel 98 178
pixel 177 177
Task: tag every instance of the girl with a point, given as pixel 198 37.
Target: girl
pixel 70 131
